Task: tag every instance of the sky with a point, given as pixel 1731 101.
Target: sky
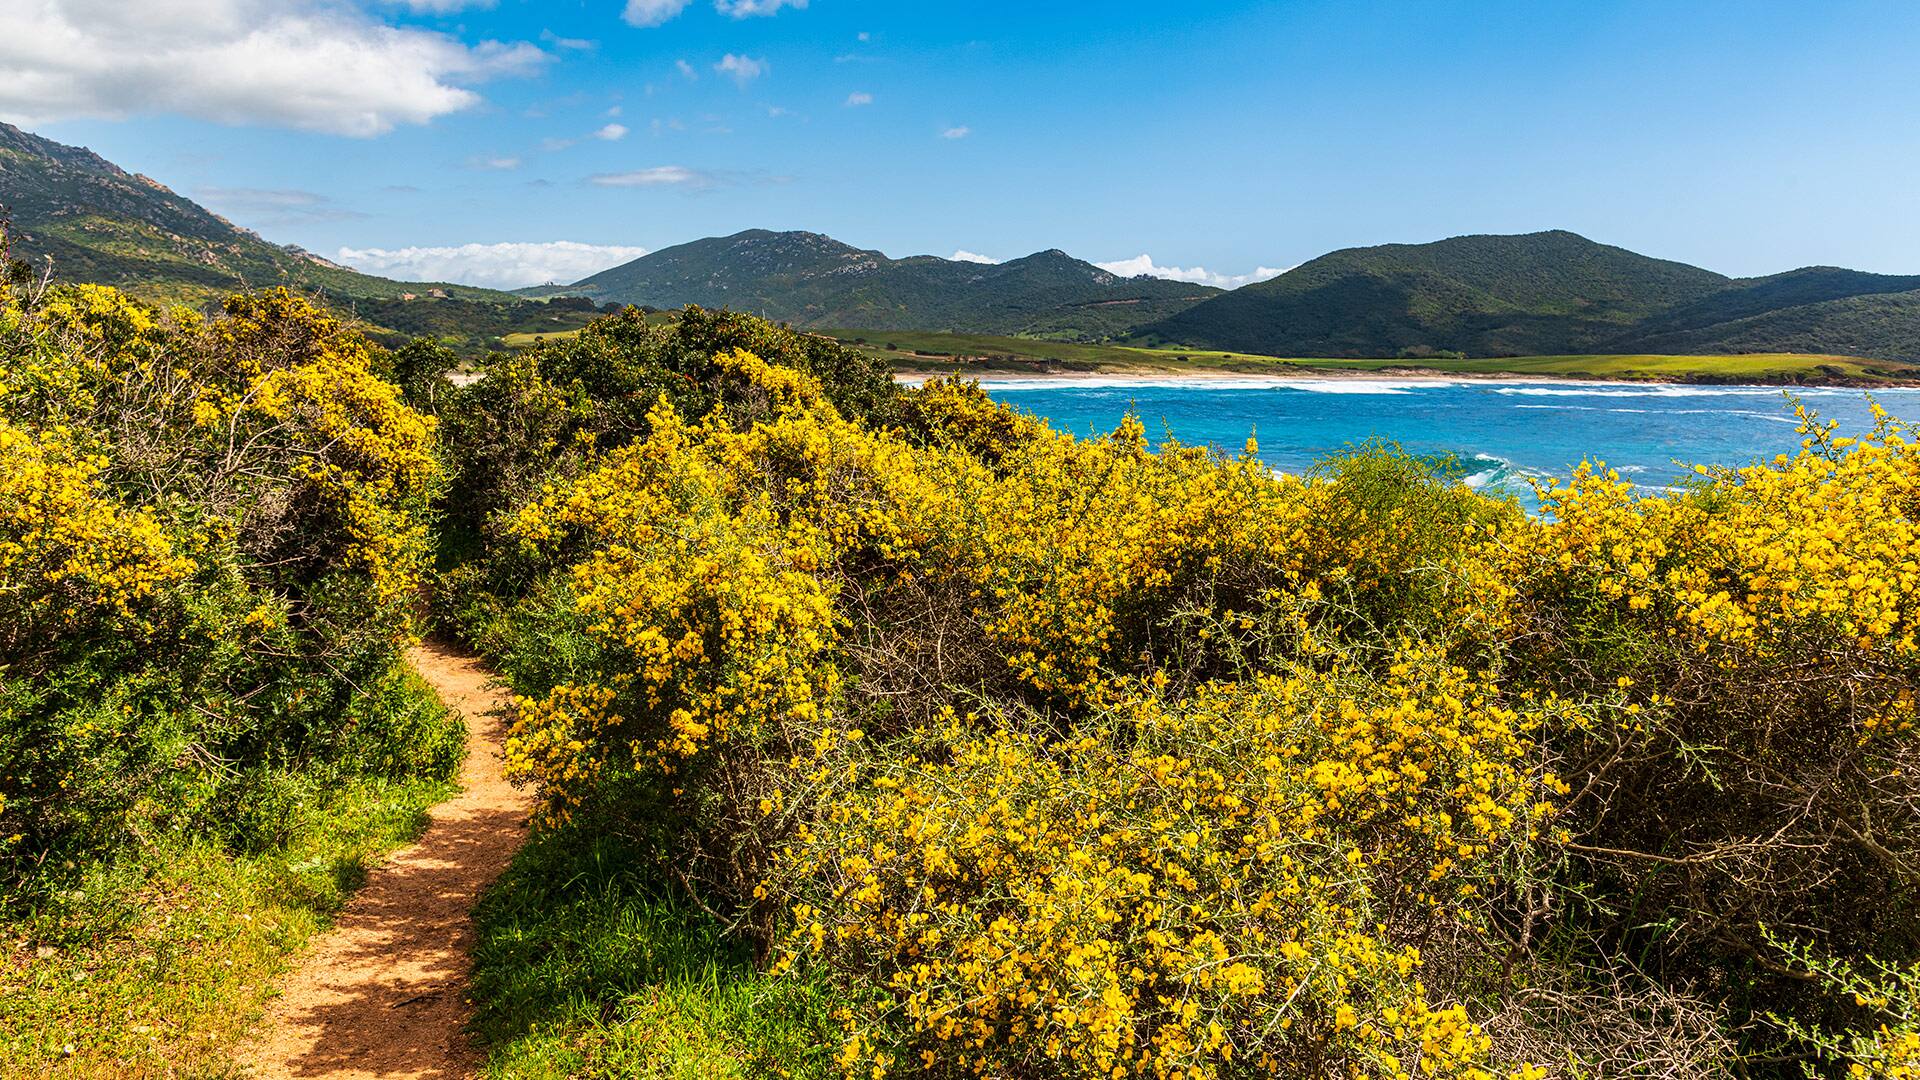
pixel 511 142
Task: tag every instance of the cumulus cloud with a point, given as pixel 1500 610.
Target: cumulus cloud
pixel 741 68
pixel 686 69
pixel 652 12
pixel 494 162
pixel 309 64
pixel 494 266
pixel 963 255
pixel 656 176
pixel 611 133
pixel 960 132
pixel 859 98
pixel 1144 266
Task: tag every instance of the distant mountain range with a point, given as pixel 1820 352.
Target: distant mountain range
pixel 1547 293
pixel 816 281
pixel 1539 293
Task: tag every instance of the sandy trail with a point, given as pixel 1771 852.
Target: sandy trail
pixel 383 994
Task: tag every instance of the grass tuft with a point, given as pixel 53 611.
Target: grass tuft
pixel 589 964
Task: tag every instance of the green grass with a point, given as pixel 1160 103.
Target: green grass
pixel 985 353
pixel 589 964
pixel 159 964
pixel 522 340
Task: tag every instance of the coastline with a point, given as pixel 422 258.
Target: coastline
pixel 1221 379
pixel 1225 379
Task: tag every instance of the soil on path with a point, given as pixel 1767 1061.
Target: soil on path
pixel 383 994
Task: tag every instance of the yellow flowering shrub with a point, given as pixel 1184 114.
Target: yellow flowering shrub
pixel 1060 756
pixel 1882 1042
pixel 211 530
pixel 1230 881
pixel 1758 765
pixel 69 552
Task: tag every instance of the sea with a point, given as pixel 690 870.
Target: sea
pixel 1499 437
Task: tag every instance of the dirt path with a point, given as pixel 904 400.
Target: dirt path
pixel 383 994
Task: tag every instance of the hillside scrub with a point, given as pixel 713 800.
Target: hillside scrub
pixel 1059 757
pixel 212 530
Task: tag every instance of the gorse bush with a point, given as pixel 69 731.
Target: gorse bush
pixel 545 412
pixel 1236 880
pixel 1059 757
pixel 211 533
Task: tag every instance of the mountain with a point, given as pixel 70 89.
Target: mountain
pixel 102 224
pixel 816 281
pixel 99 223
pixel 1547 293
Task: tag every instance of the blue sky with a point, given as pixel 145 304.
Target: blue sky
pixel 1218 136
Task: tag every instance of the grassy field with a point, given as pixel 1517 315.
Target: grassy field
pixel 521 341
pixel 983 353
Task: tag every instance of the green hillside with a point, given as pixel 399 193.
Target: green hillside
pixel 93 221
pixel 812 280
pixel 1547 293
pixel 100 223
pixel 1550 292
pixel 1872 324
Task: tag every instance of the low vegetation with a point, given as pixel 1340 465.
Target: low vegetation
pixel 963 747
pixel 211 533
pixel 883 731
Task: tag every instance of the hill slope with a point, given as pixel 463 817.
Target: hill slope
pixel 1539 293
pixel 100 223
pixel 1548 293
pixel 816 281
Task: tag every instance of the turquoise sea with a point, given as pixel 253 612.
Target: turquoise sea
pixel 1501 434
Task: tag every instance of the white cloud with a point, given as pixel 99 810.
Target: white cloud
pixel 1144 266
pixel 575 44
pixel 859 98
pixel 963 255
pixel 960 132
pixel 687 69
pixel 440 7
pixel 656 176
pixel 494 162
pixel 495 266
pixel 864 37
pixel 652 12
pixel 312 64
pixel 740 9
pixel 658 12
pixel 612 132
pixel 742 69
